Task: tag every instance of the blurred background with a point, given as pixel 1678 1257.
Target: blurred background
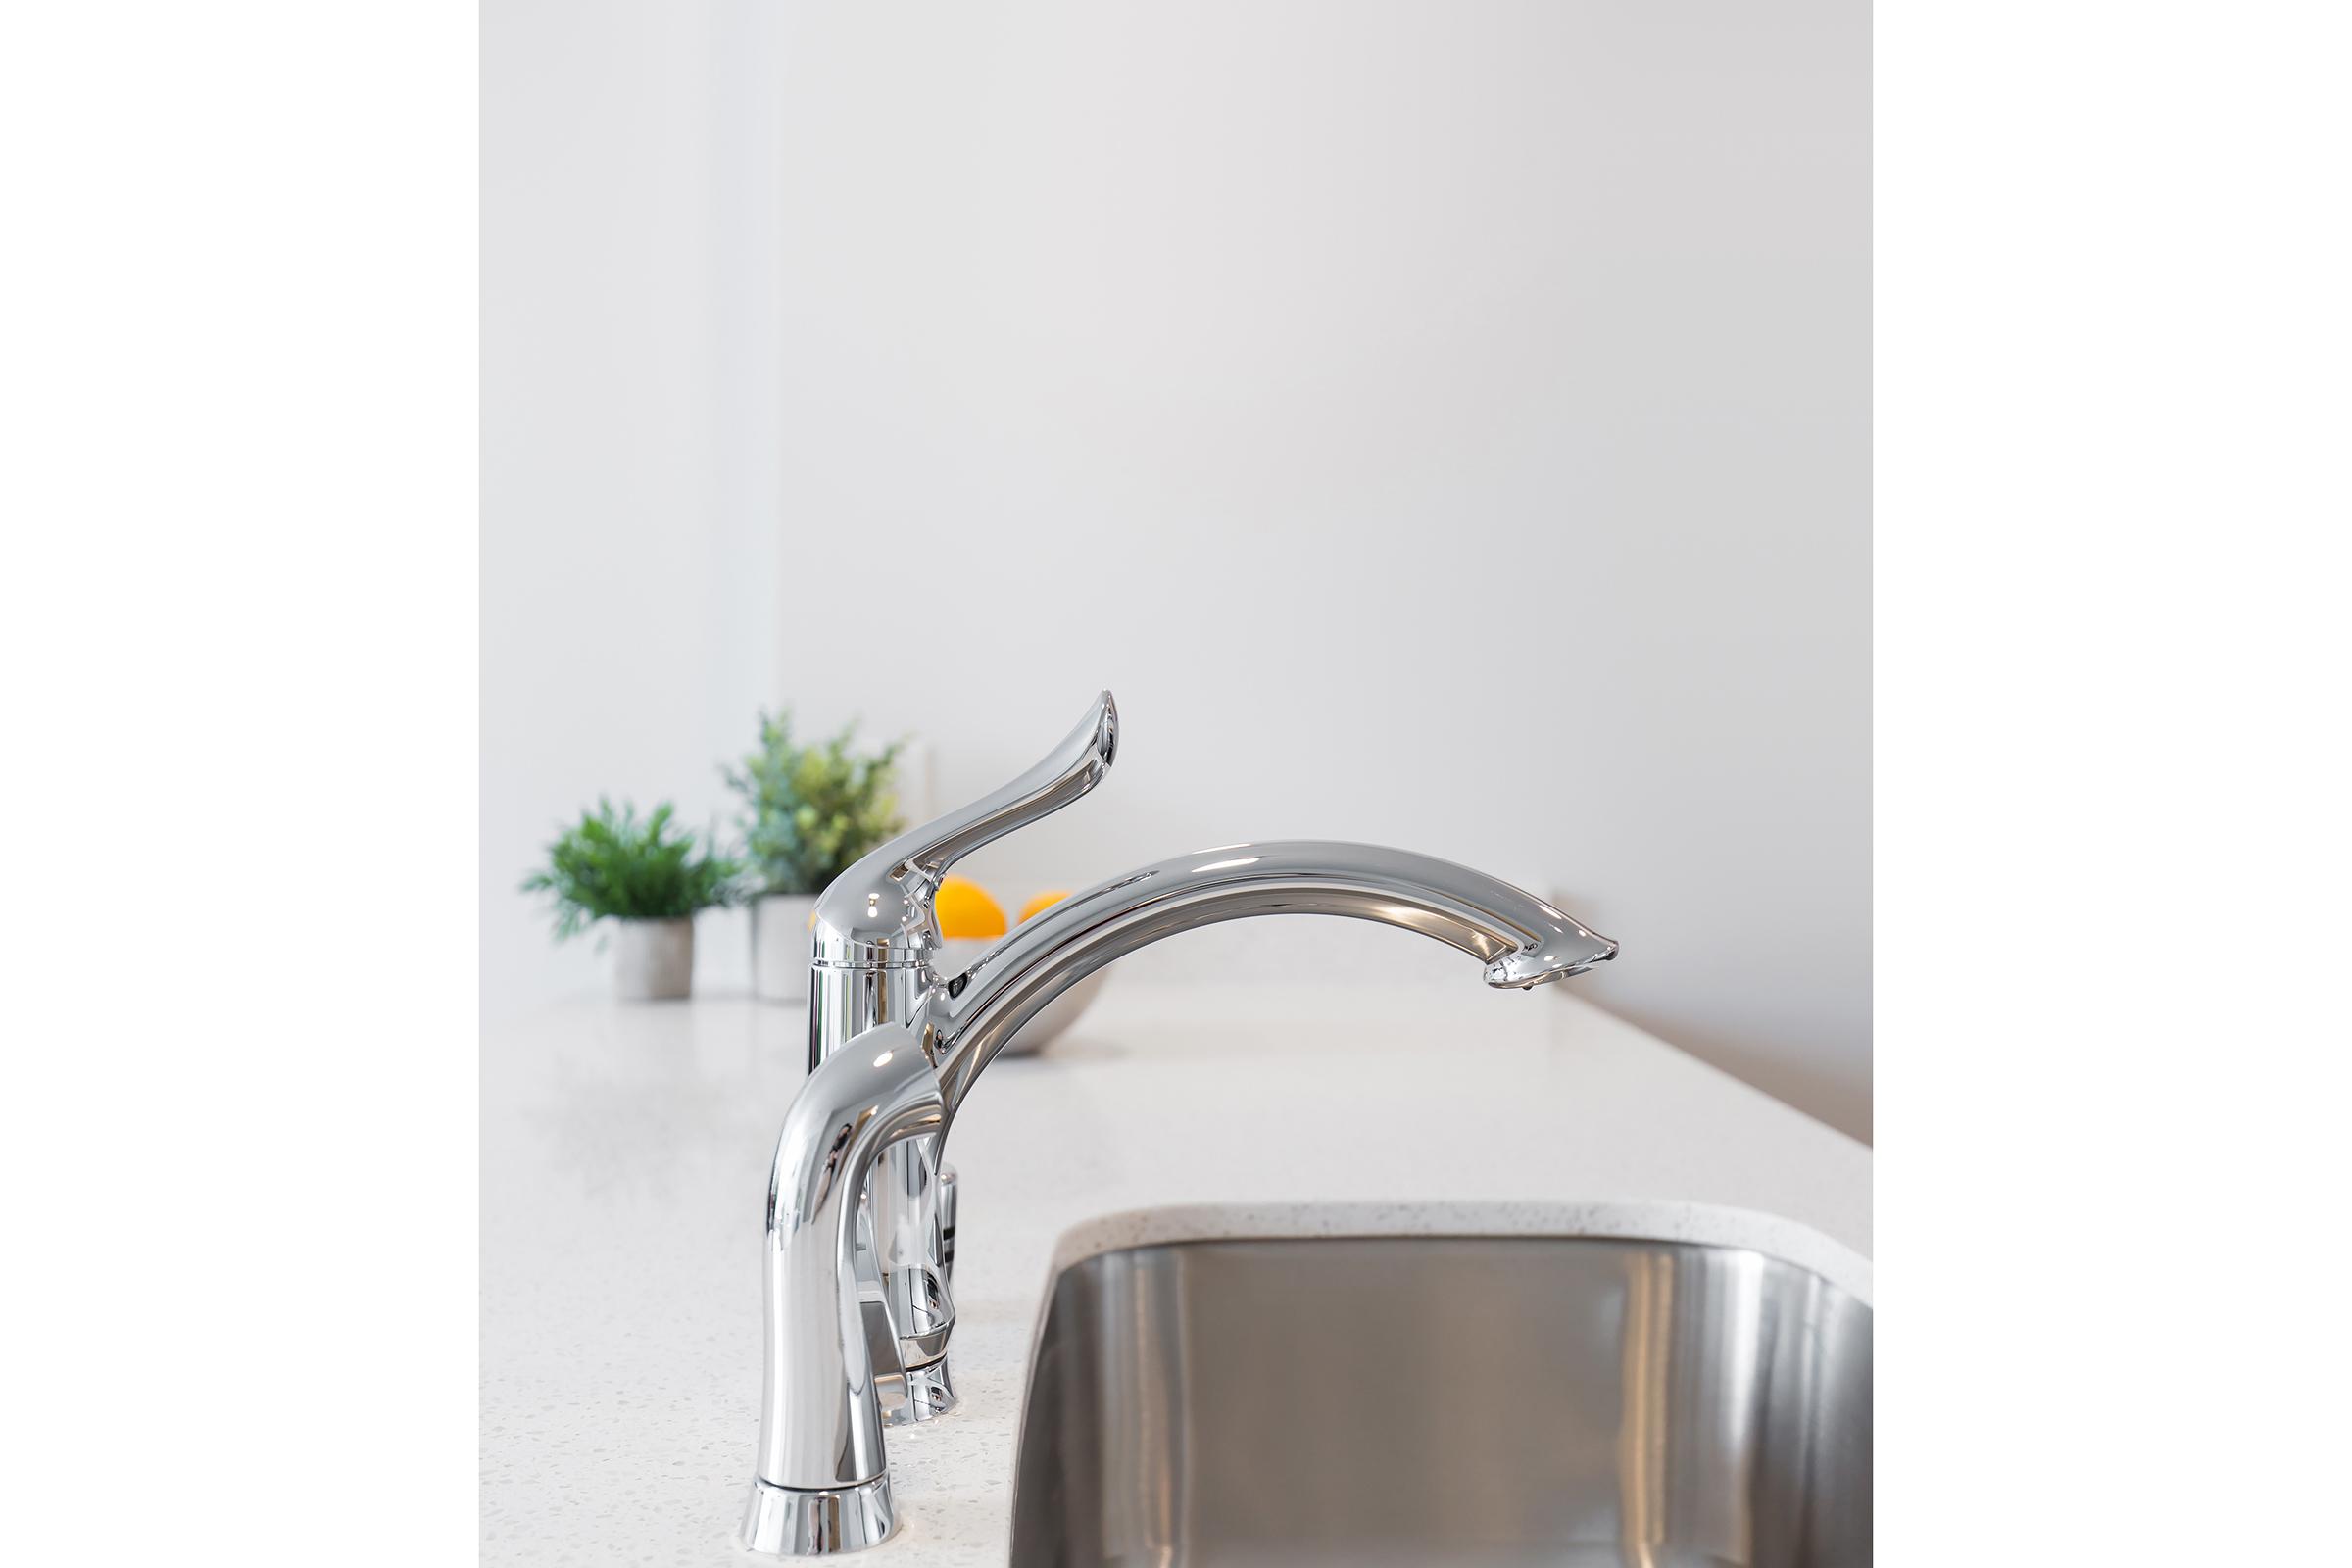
pixel 1440 425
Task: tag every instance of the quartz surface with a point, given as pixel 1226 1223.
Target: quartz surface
pixel 625 1153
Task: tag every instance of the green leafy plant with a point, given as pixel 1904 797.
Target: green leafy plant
pixel 811 811
pixel 612 866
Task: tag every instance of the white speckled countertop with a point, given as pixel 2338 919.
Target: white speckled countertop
pixel 625 1157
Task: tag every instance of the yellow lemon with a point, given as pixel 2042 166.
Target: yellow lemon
pixel 965 910
pixel 1042 903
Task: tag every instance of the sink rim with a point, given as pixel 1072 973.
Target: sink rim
pixel 1671 1221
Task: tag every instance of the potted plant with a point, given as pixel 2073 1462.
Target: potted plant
pixel 809 812
pixel 648 880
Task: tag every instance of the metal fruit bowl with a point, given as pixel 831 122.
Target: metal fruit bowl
pixel 959 953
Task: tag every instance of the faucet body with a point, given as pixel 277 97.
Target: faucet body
pixel 859 1232
pixel 822 1480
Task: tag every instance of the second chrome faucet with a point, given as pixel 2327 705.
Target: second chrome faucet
pixel 860 1217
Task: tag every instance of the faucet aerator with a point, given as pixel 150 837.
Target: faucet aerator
pixel 1524 970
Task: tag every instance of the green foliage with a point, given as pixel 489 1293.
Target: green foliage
pixel 612 866
pixel 811 811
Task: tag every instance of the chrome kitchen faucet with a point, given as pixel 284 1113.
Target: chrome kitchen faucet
pixel 861 1213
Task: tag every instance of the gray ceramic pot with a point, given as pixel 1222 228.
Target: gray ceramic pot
pixel 653 960
pixel 780 945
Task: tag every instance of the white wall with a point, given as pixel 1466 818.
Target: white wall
pixel 630 395
pixel 1445 425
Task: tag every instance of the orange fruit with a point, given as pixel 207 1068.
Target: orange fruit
pixel 965 910
pixel 1042 903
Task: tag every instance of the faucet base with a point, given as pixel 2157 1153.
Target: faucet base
pixel 928 1391
pixel 788 1522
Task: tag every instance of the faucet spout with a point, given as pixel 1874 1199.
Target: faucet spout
pixel 1522 939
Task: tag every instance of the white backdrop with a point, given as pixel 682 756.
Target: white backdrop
pixel 1440 425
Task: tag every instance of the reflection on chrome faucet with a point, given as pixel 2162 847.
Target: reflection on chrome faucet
pixel 860 1217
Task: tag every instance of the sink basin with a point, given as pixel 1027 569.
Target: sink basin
pixel 1485 1401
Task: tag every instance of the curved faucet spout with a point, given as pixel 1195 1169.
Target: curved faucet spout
pixel 858 1264
pixel 1522 939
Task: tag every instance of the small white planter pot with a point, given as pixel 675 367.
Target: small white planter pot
pixel 781 946
pixel 653 960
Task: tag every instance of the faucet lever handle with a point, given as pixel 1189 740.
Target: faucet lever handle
pixel 878 912
pixel 1061 776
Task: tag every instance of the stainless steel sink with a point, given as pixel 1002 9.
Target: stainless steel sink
pixel 1484 1401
